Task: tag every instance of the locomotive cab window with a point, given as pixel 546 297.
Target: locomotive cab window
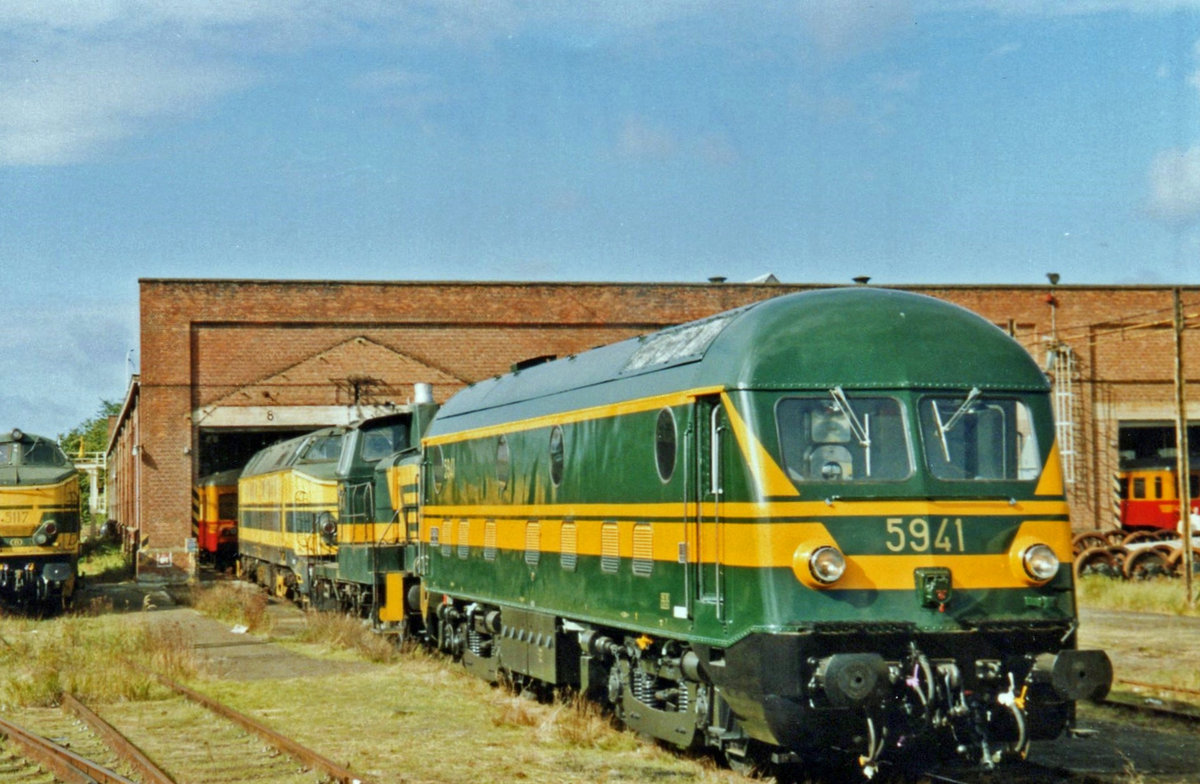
pixel 381 442
pixel 976 437
pixel 322 449
pixel 41 453
pixel 841 438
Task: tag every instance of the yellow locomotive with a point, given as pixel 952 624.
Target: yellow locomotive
pixel 39 522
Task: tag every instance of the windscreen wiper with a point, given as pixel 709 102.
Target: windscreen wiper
pixel 945 428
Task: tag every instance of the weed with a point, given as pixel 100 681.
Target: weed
pixel 517 711
pixel 104 561
pixel 346 633
pixel 1159 595
pixel 97 658
pixel 233 603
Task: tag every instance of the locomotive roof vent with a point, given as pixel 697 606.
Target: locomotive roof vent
pixel 532 362
pixel 862 280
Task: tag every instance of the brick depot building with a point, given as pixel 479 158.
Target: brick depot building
pixel 231 365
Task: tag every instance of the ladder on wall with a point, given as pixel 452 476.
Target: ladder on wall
pixel 1063 370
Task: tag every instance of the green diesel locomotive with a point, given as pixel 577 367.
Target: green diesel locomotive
pixel 831 520
pixel 39 522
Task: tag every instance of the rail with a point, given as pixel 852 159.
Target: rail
pixel 146 768
pixel 63 763
pixel 283 743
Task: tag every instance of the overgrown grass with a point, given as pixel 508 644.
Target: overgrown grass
pixel 234 603
pixel 104 561
pixel 1160 595
pixel 481 732
pixel 346 633
pixel 572 722
pixel 94 658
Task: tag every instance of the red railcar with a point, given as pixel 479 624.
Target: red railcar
pixel 214 516
pixel 1149 497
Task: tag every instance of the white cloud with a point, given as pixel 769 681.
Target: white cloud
pixel 64 106
pixel 1175 186
pixel 79 77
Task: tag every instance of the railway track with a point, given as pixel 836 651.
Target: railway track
pixel 31 757
pixel 76 746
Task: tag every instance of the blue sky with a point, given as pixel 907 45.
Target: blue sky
pixel 930 141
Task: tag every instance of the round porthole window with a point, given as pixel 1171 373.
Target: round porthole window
pixel 664 444
pixel 556 455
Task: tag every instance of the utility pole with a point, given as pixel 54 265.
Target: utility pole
pixel 1181 454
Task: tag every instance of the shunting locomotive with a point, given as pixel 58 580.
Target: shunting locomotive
pixel 39 522
pixel 330 518
pixel 831 520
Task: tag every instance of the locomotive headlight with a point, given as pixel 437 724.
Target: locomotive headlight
pixel 817 561
pixel 45 533
pixel 1040 562
pixel 827 564
pixel 328 527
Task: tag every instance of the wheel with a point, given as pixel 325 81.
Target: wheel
pixel 1088 540
pixel 1175 561
pixel 1140 536
pixel 1098 561
pixel 1115 536
pixel 1147 564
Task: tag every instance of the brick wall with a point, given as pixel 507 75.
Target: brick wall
pixel 209 343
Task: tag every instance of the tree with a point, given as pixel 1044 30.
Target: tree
pixel 91 435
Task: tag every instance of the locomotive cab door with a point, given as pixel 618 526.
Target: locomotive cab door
pixel 712 429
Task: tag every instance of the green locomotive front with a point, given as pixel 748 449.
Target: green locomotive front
pixel 39 522
pixel 377 498
pixel 832 520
